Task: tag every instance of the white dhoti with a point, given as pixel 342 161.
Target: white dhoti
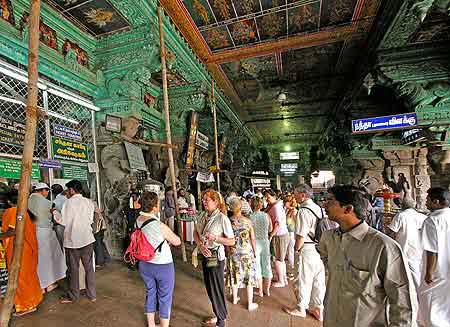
pixel 434 303
pixel 310 283
pixel 51 260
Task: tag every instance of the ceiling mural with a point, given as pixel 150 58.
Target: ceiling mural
pixel 229 24
pixel 311 62
pixel 97 17
pixel 436 27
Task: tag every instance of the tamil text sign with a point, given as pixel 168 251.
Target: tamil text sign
pixel 10 168
pixel 69 150
pixel 376 124
pixel 75 172
pixel 11 131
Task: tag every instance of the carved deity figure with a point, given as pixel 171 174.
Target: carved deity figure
pixel 130 126
pixel 416 96
pixel 116 186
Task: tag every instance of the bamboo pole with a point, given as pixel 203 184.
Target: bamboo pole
pixel 199 195
pixel 32 113
pixel 168 131
pixel 216 141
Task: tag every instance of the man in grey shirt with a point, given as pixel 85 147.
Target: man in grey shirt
pixel 368 283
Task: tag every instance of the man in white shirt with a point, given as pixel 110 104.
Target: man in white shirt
pixel 435 290
pixel 58 202
pixel 310 283
pixel 77 218
pixel 406 227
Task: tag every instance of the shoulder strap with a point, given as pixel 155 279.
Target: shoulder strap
pixel 145 223
pixel 159 247
pixel 312 211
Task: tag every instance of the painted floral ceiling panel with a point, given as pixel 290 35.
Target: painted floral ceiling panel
pixel 97 17
pixel 229 24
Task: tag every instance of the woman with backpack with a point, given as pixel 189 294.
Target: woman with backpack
pixel 158 273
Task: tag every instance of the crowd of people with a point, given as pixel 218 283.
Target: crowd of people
pixel 58 236
pixel 352 275
pixel 343 271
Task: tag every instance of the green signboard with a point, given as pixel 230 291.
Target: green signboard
pixel 69 150
pixel 10 168
pixel 74 172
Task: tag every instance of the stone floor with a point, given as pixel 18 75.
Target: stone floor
pixel 120 299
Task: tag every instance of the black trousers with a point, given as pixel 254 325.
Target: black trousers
pixel 73 257
pixel 214 283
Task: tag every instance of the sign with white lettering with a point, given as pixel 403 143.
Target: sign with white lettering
pixel 260 182
pixel 413 135
pixel 205 177
pixel 11 131
pixel 202 140
pixel 376 124
pixel 66 132
pixel 49 163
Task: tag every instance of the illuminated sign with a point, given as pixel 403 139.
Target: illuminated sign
pixel 289 156
pixel 376 124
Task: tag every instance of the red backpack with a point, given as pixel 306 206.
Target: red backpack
pixel 140 249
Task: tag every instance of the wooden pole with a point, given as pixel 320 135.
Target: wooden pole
pixel 32 113
pixel 168 132
pixel 216 141
pixel 199 195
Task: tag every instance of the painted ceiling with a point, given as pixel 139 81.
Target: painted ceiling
pixel 97 17
pixel 257 49
pixel 230 24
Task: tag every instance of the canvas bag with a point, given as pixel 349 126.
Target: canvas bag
pixel 140 249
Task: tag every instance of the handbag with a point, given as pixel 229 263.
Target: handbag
pixel 213 260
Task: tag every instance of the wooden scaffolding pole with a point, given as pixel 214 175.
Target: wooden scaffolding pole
pixel 216 141
pixel 32 113
pixel 167 123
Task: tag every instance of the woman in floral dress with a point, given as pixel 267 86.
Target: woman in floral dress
pixel 242 256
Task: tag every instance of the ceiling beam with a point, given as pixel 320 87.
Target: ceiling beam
pixel 182 19
pixel 283 118
pixel 296 42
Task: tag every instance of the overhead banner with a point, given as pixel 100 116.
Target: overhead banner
pixel 384 123
pixel 75 172
pixel 11 131
pixel 69 150
pixel 135 156
pixel 10 168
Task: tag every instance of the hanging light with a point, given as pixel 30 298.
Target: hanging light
pixel 282 97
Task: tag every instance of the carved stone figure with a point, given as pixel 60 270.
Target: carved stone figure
pixel 416 96
pixel 130 126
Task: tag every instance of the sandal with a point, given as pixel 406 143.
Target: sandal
pixel 23 313
pixel 210 321
pixel 51 288
pixel 65 300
